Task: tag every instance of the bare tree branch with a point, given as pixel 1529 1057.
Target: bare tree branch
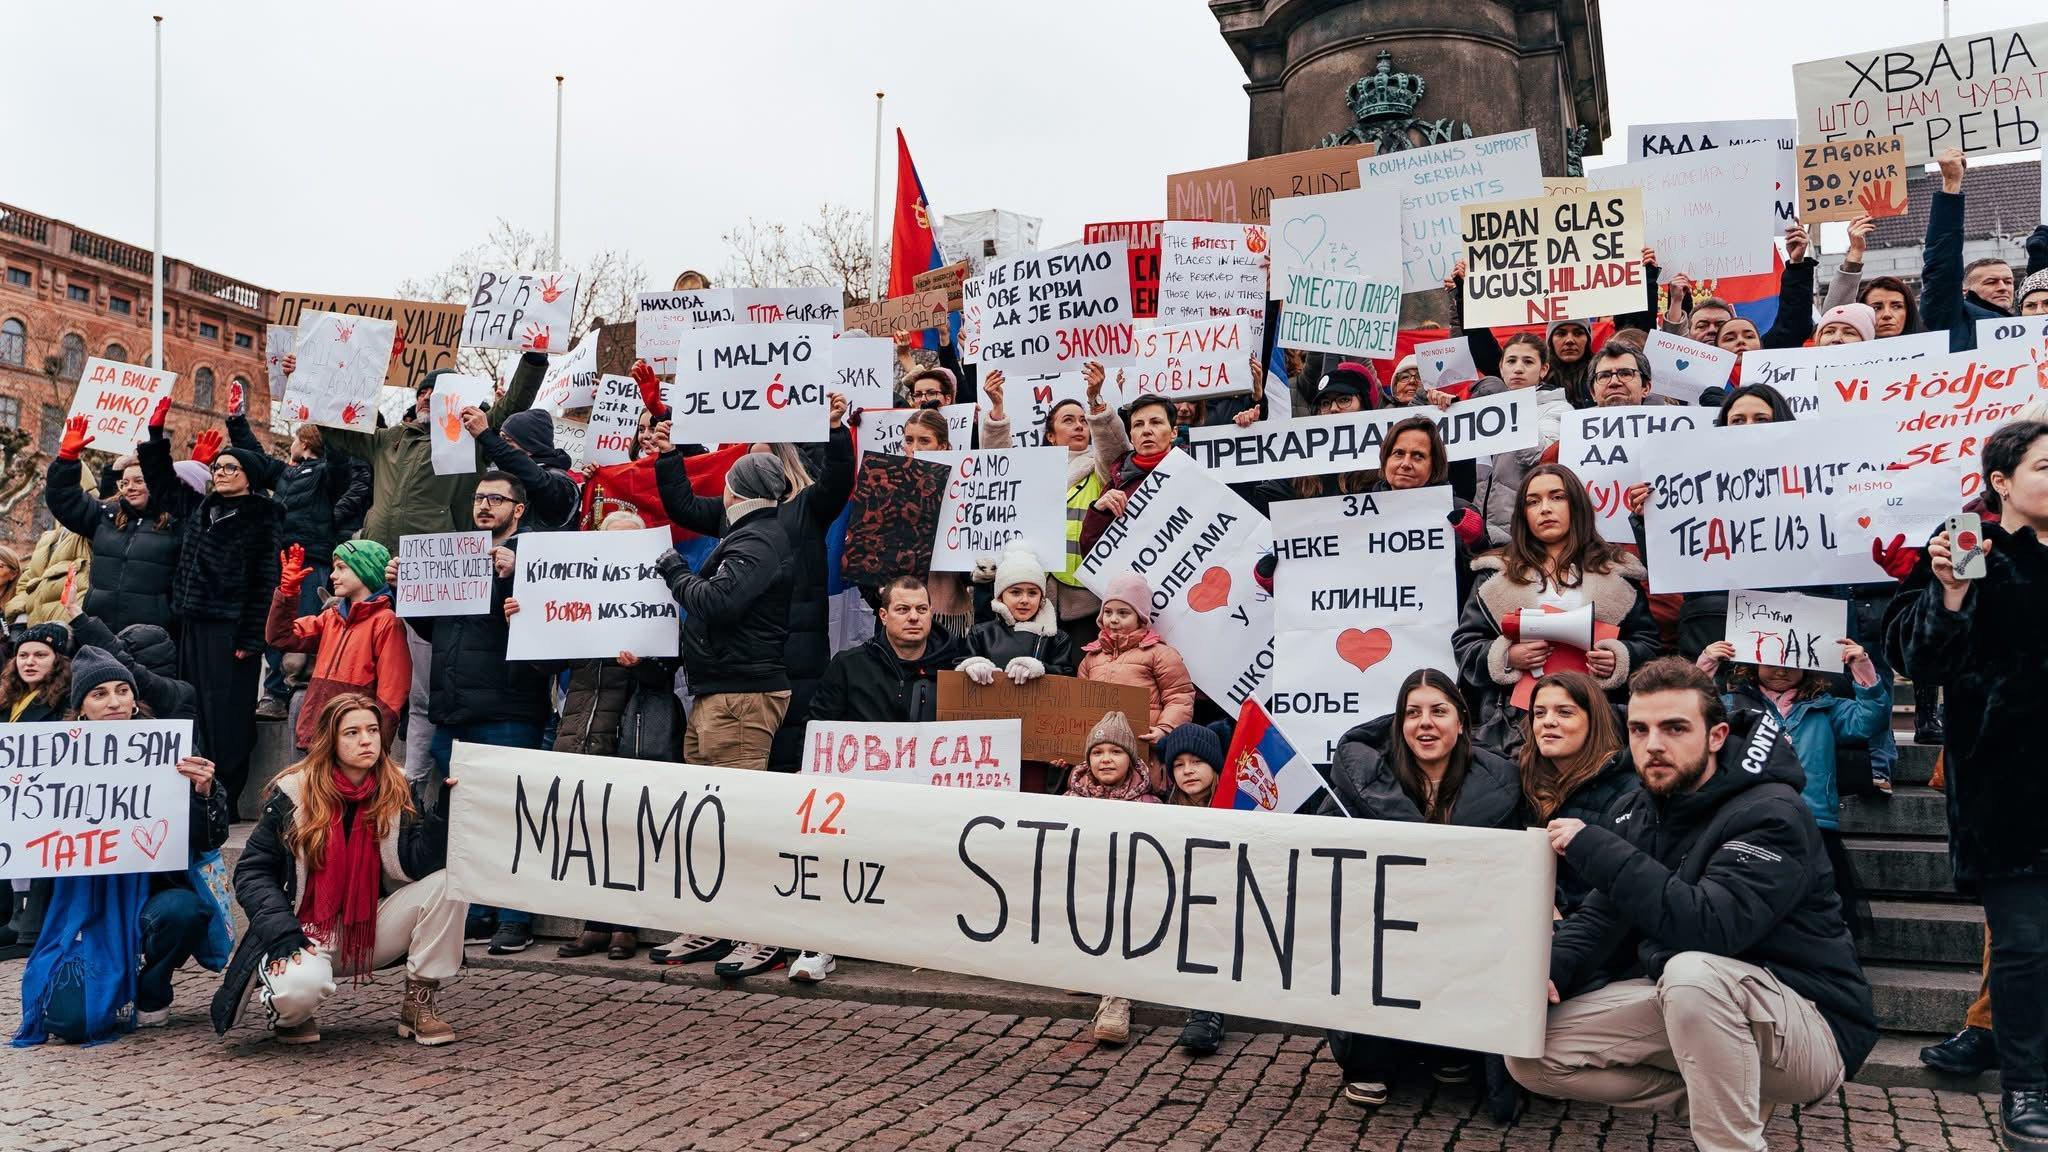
pixel 830 250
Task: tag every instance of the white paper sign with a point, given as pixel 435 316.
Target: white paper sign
pixel 1649 140
pixel 444 574
pixel 663 317
pixel 117 401
pixel 1451 926
pixel 1604 448
pixel 1898 505
pixel 866 368
pixel 1682 368
pixel 1708 214
pixel 1195 360
pixel 342 360
pixel 978 754
pixel 584 594
pixel 454 449
pixel 1210 270
pixel 753 382
pixel 972 293
pixel 658 326
pixel 1444 363
pixel 1350 441
pixel 1031 400
pixel 881 429
pixel 1196 543
pixel 1980 92
pixel 521 311
pixel 1338 270
pixel 573 438
pixel 614 421
pixel 1434 181
pixel 2029 330
pixel 997 495
pixel 1364 594
pixel 94 798
pixel 1788 630
pixel 1939 409
pixel 1797 372
pixel 1056 310
pixel 571 379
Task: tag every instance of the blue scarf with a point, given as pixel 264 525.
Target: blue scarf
pixel 85 961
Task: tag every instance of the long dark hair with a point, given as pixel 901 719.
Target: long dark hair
pixel 1408 771
pixel 1781 411
pixel 1547 783
pixel 1347 484
pixel 1894 284
pixel 1439 464
pixel 1526 557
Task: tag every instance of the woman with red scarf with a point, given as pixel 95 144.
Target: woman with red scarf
pixel 338 829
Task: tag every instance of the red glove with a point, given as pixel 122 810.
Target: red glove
pixel 1469 526
pixel 291 569
pixel 75 438
pixel 238 401
pixel 1897 560
pixel 1262 572
pixel 157 418
pixel 650 390
pixel 208 446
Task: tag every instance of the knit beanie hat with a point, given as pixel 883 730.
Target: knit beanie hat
pixel 50 633
pixel 1406 363
pixel 757 476
pixel 1551 328
pixel 1196 738
pixel 532 429
pixel 93 667
pixel 1861 317
pixel 1130 588
pixel 1113 728
pixel 2038 282
pixel 367 559
pixel 1018 565
pixel 1349 378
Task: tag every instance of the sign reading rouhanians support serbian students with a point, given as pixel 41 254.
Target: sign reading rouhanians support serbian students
pixel 1350 441
pixel 1420 932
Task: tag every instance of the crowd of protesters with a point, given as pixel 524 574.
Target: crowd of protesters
pixel 1705 953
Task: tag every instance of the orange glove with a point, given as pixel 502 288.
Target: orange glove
pixel 75 438
pixel 157 418
pixel 650 390
pixel 1897 560
pixel 291 569
pixel 208 446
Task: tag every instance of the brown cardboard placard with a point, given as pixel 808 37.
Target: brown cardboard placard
pixel 427 331
pixel 1844 179
pixel 948 279
pixel 912 313
pixel 1057 712
pixel 1244 193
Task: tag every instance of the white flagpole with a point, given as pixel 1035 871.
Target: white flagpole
pixel 555 263
pixel 875 215
pixel 156 262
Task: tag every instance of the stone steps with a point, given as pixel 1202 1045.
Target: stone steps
pixel 1912 868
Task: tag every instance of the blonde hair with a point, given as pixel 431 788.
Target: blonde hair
pixel 792 462
pixel 620 520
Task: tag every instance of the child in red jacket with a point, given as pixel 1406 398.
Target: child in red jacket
pixel 357 640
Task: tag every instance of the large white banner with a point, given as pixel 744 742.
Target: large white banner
pixel 1196 543
pixel 997 495
pixel 1365 593
pixel 1980 92
pixel 1434 181
pixel 753 382
pixel 1648 140
pixel 981 754
pixel 585 594
pixel 1604 448
pixel 1420 932
pixel 94 798
pixel 1708 214
pixel 1056 310
pixel 1350 441
pixel 1798 373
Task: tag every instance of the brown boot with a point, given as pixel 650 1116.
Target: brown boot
pixel 623 946
pixel 417 1020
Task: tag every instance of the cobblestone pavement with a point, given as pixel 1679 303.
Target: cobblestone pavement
pixel 572 1063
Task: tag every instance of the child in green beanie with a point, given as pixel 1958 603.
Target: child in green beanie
pixel 357 641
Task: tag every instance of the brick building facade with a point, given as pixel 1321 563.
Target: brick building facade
pixel 67 294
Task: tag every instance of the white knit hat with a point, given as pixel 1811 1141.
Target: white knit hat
pixel 1018 565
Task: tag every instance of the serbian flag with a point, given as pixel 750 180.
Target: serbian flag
pixel 913 244
pixel 1754 298
pixel 1262 771
pixel 630 487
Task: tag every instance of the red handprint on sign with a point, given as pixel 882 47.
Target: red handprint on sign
pixel 351 414
pixel 303 414
pixel 536 338
pixel 397 346
pixel 237 402
pixel 1876 200
pixel 451 417
pixel 343 331
pixel 550 288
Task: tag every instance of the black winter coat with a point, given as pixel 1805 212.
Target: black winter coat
pixel 1735 869
pixel 1992 657
pixel 132 563
pixel 612 710
pixel 999 643
pixel 317 499
pixel 738 610
pixel 227 568
pixel 872 685
pixel 152 660
pixel 1363 780
pixel 553 498
pixel 470 681
pixel 1591 803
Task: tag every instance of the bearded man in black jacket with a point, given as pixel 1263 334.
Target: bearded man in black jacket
pixel 1710 971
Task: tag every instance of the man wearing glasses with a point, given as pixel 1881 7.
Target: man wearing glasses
pixel 1621 376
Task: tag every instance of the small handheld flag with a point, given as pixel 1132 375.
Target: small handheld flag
pixel 1262 771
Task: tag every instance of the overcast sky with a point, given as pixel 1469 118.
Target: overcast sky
pixel 345 147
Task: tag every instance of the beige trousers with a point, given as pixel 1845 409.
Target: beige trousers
pixel 417 922
pixel 734 729
pixel 1714 1038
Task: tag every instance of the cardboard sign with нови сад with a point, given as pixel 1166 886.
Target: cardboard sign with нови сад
pixel 982 754
pixel 520 311
pixel 94 798
pixel 1787 629
pixel 591 594
pixel 1196 360
pixel 753 383
pixel 1350 441
pixel 1979 92
pixel 444 574
pixel 342 364
pixel 1434 181
pixel 454 449
pixel 1421 932
pixel 995 496
pixel 1550 258
pixel 1055 310
pixel 614 421
pixel 1604 448
pixel 1338 271
pixel 117 401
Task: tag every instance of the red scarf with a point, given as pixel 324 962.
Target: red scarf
pixel 341 893
pixel 1148 462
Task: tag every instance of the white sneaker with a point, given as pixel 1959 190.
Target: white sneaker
pixel 812 967
pixel 160 1018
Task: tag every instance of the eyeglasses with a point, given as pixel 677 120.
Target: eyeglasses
pixel 226 467
pixel 493 500
pixel 1625 375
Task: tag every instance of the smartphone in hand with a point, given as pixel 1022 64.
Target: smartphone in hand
pixel 1966 545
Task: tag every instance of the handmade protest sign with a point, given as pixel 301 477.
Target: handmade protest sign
pixel 1338 270
pixel 1445 363
pixel 94 798
pixel 659 322
pixel 1033 399
pixel 1420 932
pixel 573 438
pixel 2031 330
pixel 753 382
pixel 1142 240
pixel 1980 92
pixel 341 368
pixel 1604 448
pixel 591 594
pixel 1211 270
pixel 982 754
pixel 1569 257
pixel 1746 507
pixel 1677 139
pixel 913 313
pixel 1434 181
pixel 893 520
pixel 454 449
pixel 865 367
pixel 444 574
pixel 1845 179
pixel 1364 594
pixel 1797 372
pixel 117 400
pixel 1195 360
pixel 947 278
pixel 1708 214
pixel 1244 193
pixel 1788 629
pixel 1940 408
pixel 973 289
pixel 278 343
pixel 571 380
pixel 1196 543
pixel 1681 369
pixel 1898 505
pixel 881 429
pixel 1350 441
pixel 614 421
pixel 997 495
pixel 522 311
pixel 1055 310
pixel 427 332
pixel 1055 713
